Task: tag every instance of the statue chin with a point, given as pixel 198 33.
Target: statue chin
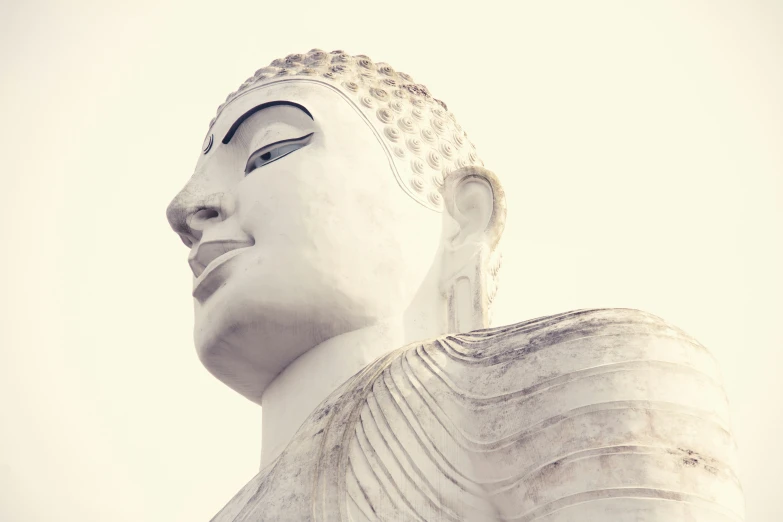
pixel 344 238
pixel 251 325
pixel 246 342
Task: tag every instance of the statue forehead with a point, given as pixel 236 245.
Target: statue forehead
pixel 324 108
pixel 309 95
pixel 421 138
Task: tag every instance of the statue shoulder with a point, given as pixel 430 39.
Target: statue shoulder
pixel 578 414
pixel 535 334
pixel 565 400
pixel 580 341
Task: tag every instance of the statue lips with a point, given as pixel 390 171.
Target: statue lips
pixel 215 255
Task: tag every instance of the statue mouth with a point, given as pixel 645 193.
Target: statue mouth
pixel 207 258
pixel 207 252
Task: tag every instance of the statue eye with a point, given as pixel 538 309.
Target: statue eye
pixel 274 152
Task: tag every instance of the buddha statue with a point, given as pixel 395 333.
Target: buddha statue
pixel 344 239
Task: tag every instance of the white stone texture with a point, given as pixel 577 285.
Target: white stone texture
pixel 608 415
pixel 356 314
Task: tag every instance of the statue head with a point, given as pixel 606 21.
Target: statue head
pixel 332 194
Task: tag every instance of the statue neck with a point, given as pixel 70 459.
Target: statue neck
pixel 295 393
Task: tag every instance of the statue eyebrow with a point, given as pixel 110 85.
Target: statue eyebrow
pixel 241 119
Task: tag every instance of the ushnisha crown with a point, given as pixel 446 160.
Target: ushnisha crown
pixel 421 137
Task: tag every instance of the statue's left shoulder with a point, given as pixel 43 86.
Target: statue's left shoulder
pixel 566 347
pixel 574 328
pixel 588 415
pixel 579 413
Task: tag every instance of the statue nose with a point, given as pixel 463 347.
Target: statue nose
pixel 200 219
pixel 190 215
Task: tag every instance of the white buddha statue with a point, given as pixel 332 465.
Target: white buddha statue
pixel 343 238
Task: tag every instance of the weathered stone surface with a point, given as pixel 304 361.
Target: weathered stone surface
pixel 356 314
pixel 590 415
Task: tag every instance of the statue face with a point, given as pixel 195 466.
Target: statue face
pixel 298 232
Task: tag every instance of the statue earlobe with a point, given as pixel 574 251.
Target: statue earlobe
pixel 475 202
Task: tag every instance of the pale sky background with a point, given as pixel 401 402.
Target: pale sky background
pixel 640 145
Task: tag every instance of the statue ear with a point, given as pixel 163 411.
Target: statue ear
pixel 475 200
pixel 476 203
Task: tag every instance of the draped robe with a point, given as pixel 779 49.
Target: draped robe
pixel 593 415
